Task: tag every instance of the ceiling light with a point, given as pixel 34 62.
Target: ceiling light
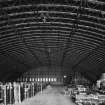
pixel 64 76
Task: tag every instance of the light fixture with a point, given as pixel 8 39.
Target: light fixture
pixel 64 76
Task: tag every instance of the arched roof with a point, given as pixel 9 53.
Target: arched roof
pixel 67 33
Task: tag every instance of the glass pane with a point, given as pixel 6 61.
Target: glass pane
pixel 49 79
pixel 38 79
pixel 55 79
pixel 52 79
pixel 35 79
pixel 46 79
pixel 32 79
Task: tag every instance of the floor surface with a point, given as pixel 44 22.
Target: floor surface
pixel 50 96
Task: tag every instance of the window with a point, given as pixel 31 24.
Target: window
pixel 52 79
pixel 55 79
pixel 30 79
pixel 26 79
pixel 44 79
pixel 41 79
pixel 49 79
pixel 35 79
pixel 38 79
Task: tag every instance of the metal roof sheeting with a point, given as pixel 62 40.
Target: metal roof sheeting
pixel 69 33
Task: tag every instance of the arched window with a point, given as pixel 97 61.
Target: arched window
pixel 52 79
pixel 41 79
pixel 33 79
pixel 26 79
pixel 55 79
pixel 30 79
pixel 38 79
pixel 44 79
pixel 49 79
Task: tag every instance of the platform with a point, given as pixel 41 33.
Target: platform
pixel 50 96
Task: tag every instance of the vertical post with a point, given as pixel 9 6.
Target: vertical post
pixel 36 87
pixel 33 89
pixel 15 93
pixel 2 94
pixel 19 94
pixel 5 95
pixel 10 87
pixel 25 92
pixel 28 91
pixel 41 87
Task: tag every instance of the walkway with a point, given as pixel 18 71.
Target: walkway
pixel 50 96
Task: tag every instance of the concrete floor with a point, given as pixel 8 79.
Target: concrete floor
pixel 50 96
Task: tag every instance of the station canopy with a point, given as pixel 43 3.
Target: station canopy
pixel 54 33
